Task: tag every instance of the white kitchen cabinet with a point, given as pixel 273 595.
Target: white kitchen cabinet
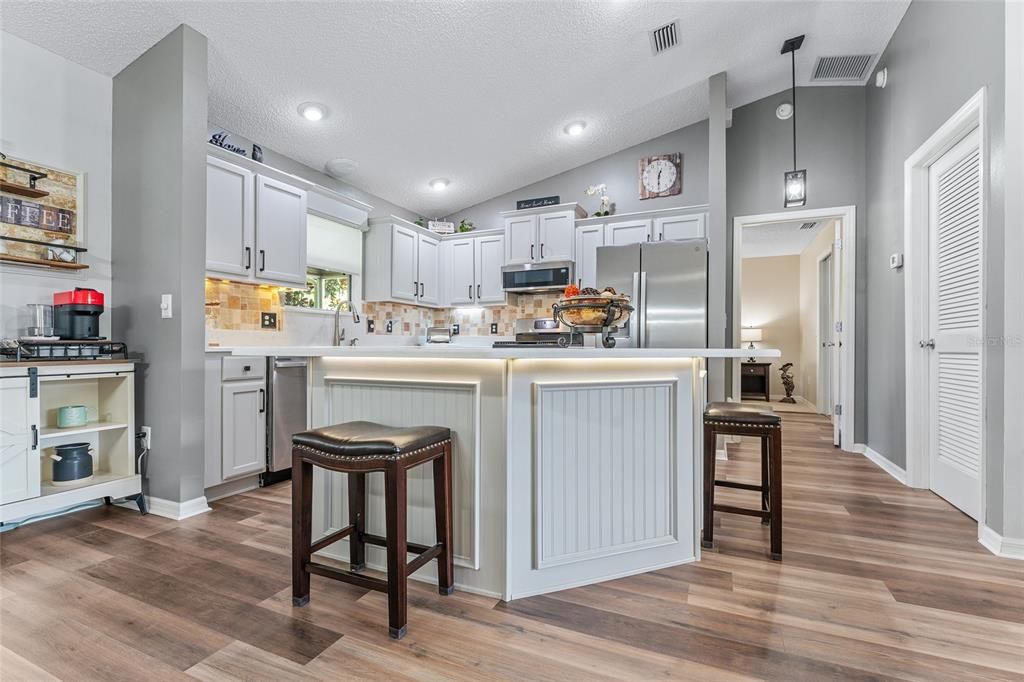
pixel 280 232
pixel 520 235
pixel 462 270
pixel 230 219
pixel 243 428
pixel 19 441
pixel 404 284
pixel 588 239
pixel 628 232
pixel 668 228
pixel 489 252
pixel 541 234
pixel 428 259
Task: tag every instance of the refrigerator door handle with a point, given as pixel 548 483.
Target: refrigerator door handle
pixel 638 303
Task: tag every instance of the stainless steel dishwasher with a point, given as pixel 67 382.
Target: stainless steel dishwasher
pixel 286 414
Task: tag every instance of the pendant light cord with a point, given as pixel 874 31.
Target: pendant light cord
pixel 793 62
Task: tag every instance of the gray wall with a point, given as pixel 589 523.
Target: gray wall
pixel 619 172
pixel 830 145
pixel 940 55
pixel 159 247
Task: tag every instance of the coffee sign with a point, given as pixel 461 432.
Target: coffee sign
pixel 29 214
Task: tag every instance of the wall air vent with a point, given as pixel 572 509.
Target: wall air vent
pixel 664 37
pixel 808 226
pixel 842 69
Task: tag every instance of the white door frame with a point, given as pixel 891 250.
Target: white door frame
pixel 916 285
pixel 819 374
pixel 847 215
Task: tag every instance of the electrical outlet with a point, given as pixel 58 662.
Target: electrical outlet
pixel 494 327
pixel 370 326
pixel 147 437
pixel 390 326
pixel 455 330
pixel 268 320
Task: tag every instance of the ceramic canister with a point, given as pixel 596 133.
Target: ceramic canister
pixel 72 415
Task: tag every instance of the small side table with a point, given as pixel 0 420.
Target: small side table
pixel 755 381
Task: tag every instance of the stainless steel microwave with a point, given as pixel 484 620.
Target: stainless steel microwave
pixel 528 278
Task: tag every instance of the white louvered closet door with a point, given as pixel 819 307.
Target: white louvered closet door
pixel 955 322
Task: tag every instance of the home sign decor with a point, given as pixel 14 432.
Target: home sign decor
pixel 539 202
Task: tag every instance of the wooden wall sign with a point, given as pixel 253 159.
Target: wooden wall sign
pixel 537 203
pixel 36 221
pixel 29 214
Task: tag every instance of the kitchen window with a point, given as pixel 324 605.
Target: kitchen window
pixel 324 290
pixel 334 266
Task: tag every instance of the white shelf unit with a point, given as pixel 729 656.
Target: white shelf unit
pixel 108 393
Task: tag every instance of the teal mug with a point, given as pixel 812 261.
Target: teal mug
pixel 72 415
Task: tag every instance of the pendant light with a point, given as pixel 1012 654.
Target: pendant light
pixel 794 182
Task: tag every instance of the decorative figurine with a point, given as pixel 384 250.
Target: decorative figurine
pixel 606 202
pixel 787 383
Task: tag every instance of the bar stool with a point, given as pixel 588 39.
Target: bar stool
pixel 357 448
pixel 734 419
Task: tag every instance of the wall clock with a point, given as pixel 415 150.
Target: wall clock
pixel 661 175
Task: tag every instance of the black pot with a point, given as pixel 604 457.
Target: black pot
pixel 71 462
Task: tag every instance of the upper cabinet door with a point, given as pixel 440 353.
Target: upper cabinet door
pixel 428 252
pixel 280 232
pixel 588 238
pixel 405 284
pixel 680 227
pixel 556 232
pixel 490 254
pixel 627 232
pixel 520 239
pixel 19 441
pixel 462 283
pixel 230 221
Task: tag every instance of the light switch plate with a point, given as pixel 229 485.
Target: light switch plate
pixel 455 330
pixel 268 320
pixel 370 326
pixel 896 261
pixel 166 306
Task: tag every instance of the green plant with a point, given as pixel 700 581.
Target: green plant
pixel 466 225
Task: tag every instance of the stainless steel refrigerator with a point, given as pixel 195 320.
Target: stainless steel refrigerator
pixel 668 282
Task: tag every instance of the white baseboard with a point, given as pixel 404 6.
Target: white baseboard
pixel 177 511
pixel 1010 548
pixel 884 464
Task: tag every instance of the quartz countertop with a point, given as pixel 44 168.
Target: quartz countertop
pixel 470 352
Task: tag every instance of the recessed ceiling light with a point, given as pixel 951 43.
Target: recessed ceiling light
pixel 439 184
pixel 575 128
pixel 311 111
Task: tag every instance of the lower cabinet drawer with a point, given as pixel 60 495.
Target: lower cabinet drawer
pixel 235 368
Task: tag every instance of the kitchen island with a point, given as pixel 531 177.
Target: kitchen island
pixel 570 466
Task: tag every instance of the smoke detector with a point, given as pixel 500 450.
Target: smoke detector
pixel 665 37
pixel 339 168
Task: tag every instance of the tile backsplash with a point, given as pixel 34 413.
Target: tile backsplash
pixel 237 306
pixel 411 319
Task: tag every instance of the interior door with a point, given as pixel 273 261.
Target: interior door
pixel 520 235
pixel 405 285
pixel 230 219
pixel 462 287
pixel 588 239
pixel 556 234
pixel 489 257
pixel 826 340
pixel 956 378
pixel 627 232
pixel 428 251
pixel 19 441
pixel 280 232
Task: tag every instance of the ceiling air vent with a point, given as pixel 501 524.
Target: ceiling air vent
pixel 846 68
pixel 808 226
pixel 664 37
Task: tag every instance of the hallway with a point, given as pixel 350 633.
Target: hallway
pixel 877 580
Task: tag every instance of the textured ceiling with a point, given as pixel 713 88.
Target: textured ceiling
pixel 779 239
pixel 475 91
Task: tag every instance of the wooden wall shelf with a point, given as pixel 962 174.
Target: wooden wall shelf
pixel 23 190
pixel 22 260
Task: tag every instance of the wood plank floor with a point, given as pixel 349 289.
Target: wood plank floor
pixel 878 582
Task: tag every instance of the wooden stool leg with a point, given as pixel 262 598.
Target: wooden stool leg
pixel 302 528
pixel 443 520
pixel 775 504
pixel 395 505
pixel 708 536
pixel 357 518
pixel 765 484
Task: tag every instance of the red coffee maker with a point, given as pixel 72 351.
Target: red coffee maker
pixel 76 314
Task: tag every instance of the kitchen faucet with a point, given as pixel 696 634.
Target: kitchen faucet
pixel 339 333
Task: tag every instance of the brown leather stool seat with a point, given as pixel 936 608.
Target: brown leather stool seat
pixel 358 448
pixel 745 420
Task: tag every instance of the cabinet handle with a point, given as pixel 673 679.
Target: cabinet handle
pixel 478 291
pixel 248 257
pixel 471 291
pixel 531 251
pixel 263 260
pixel 542 250
pixel 661 236
pixel 415 288
pixel 263 401
pixel 35 437
pixel 423 291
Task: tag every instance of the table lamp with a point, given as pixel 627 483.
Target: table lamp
pixel 750 334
